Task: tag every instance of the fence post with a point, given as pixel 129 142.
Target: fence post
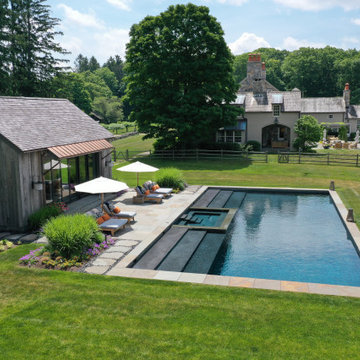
pixel 150 153
pixel 197 154
pixel 299 157
pixel 221 153
pixel 266 157
pixel 328 159
pixel 127 155
pixel 357 159
pixel 173 154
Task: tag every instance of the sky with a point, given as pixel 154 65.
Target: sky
pixel 101 27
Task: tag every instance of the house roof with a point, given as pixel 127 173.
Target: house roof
pixel 323 105
pixel 263 102
pixel 354 112
pixel 39 123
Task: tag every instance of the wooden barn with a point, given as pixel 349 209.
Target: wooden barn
pixel 47 146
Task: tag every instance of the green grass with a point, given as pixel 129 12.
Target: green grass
pixel 133 143
pixel 64 315
pixel 230 172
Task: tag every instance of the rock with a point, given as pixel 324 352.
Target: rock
pixel 15 237
pixel 112 255
pixel 4 235
pixel 28 238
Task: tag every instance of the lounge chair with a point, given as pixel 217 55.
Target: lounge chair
pixel 141 196
pixel 113 225
pixel 149 185
pixel 129 215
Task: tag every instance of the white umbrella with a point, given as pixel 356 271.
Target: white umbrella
pixel 101 185
pixel 138 167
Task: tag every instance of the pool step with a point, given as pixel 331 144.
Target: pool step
pixel 235 200
pixel 156 253
pixel 206 198
pixel 220 199
pixel 182 252
pixel 205 254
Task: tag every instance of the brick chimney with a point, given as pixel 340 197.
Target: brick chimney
pixel 346 95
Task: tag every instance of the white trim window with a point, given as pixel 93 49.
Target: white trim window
pixel 331 116
pixel 276 110
pixel 229 136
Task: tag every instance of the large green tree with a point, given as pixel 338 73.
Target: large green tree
pixel 179 74
pixel 34 56
pixel 308 132
pixel 4 50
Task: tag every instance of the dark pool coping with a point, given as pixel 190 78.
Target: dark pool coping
pixel 123 268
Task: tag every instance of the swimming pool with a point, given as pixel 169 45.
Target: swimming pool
pixel 289 237
pixel 278 235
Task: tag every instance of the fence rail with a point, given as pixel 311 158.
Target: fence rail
pixel 325 159
pixel 193 154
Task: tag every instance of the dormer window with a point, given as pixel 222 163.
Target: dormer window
pixel 276 110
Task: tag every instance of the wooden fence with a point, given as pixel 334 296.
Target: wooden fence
pixel 324 159
pixel 194 154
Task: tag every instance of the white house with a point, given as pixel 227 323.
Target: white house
pixel 270 114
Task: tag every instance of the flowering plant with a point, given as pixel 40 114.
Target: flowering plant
pixel 33 257
pixel 96 249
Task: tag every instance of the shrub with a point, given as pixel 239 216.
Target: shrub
pixel 170 177
pixel 343 133
pixel 255 145
pixel 352 136
pixel 41 216
pixel 308 132
pixel 71 235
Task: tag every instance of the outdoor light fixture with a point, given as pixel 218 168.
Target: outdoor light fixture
pixel 37 185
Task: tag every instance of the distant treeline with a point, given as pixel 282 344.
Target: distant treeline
pixel 316 72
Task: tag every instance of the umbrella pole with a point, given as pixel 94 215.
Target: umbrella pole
pixel 102 202
pixel 137 176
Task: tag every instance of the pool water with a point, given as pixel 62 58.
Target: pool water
pixel 293 237
pixel 203 218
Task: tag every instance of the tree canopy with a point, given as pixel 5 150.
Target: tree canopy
pixel 179 76
pixel 28 52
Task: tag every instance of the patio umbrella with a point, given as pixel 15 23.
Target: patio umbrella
pixel 138 167
pixel 101 185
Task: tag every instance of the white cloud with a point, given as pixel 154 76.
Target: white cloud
pixel 75 16
pixel 291 43
pixel 247 42
pixel 109 43
pixel 316 5
pixel 356 21
pixel 72 44
pixel 121 4
pixel 351 40
pixel 233 2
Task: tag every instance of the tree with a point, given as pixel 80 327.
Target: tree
pixel 95 85
pixel 93 64
pixel 81 63
pixel 179 74
pixel 4 50
pixel 116 65
pixel 109 110
pixel 109 78
pixel 308 132
pixel 71 86
pixel 33 51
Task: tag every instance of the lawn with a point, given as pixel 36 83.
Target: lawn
pixel 133 143
pixel 64 315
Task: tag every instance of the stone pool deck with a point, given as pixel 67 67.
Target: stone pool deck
pixel 153 219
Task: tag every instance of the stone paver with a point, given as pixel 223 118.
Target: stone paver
pixel 126 243
pixel 241 282
pixel 42 240
pixel 167 275
pixel 267 284
pixel 29 238
pixel 99 270
pixel 193 278
pixel 294 286
pixel 4 234
pixel 15 237
pixel 324 289
pixel 112 255
pixel 116 271
pixel 217 280
pixel 103 262
pixel 116 248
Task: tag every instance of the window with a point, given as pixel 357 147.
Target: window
pixel 331 116
pixel 276 110
pixel 229 136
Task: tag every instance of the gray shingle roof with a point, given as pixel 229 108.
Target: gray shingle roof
pixel 39 123
pixel 323 105
pixel 291 101
pixel 354 112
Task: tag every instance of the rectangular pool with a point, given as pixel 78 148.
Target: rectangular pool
pixel 289 236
